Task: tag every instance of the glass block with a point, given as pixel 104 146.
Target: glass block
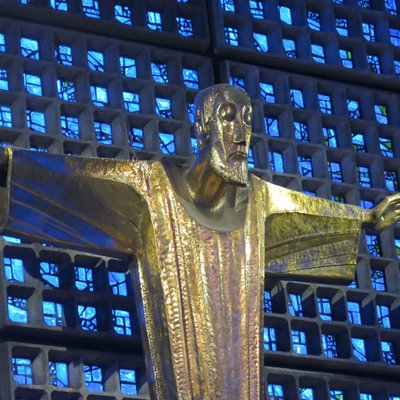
pixel 49 274
pixel 5 117
pixel 3 79
pixel 122 322
pixel 190 78
pixel 276 161
pixel 17 309
pixel 14 269
pixel 324 308
pixel 163 107
pixel 237 81
pixel 122 14
pixel 128 67
pixel 330 138
pixel 364 177
pixel 299 341
pixel 93 378
pixel 386 146
pixel 36 121
pixel 228 5
pixel 391 7
pixel 53 314
pixel 256 9
pixel 296 98
pixel 346 58
pixel 22 370
pixel 250 159
pixel 358 141
pixel 295 305
pixel 383 316
pixel 289 47
pixel 275 392
pixel 301 131
pixel 342 27
pixel 306 393
pixel 359 350
pixel 70 127
pixel 373 63
pixel 33 84
pixel 305 166
pixel 391 180
pixel 63 54
pixel 87 318
pixel 373 244
pixel 58 374
pixel 185 26
pixel 381 113
pixel 260 42
pixel 329 346
pixel 59 5
pixel 394 37
pixel 285 14
pixel 117 282
pixel 353 107
pixel 95 60
pixel 388 352
pixel 354 312
pixel 91 8
pixel 335 171
pixel 84 278
pixel 270 339
pixel 159 72
pixel 29 48
pixel 103 132
pixel 325 105
pixel 378 280
pixel 131 102
pixel 318 53
pixel 231 36
pixel 313 20
pixel 369 31
pixel 154 21
pixel 267 302
pixel 66 90
pixel 267 92
pixel 167 143
pixel 98 95
pixel 127 379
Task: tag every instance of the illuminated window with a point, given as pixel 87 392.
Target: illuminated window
pixel 301 131
pixel 91 8
pixel 33 84
pixel 336 395
pixel 299 341
pixel 388 353
pixel 270 339
pixel 381 113
pixel 391 7
pixel 383 316
pixel 190 78
pixel 267 302
pixel 93 378
pixel 22 370
pixel 29 48
pixel 354 108
pixel 122 322
pixel 346 58
pixel 364 176
pixel 359 350
pixel 250 159
pixel 84 278
pixel 324 102
pixel 329 346
pixel 295 305
pixel 3 79
pixel 228 5
pixel 87 318
pixel 354 312
pixel 373 244
pixel 335 171
pixel 305 166
pixel 154 21
pixel 276 161
pixel 190 112
pixel 122 14
pixel 318 53
pixel 58 374
pixel 366 396
pixel 131 101
pixel 373 63
pixel 364 3
pixel 296 98
pixel 231 35
pixel 66 90
pixel 59 5
pixel 366 204
pixel 53 314
pixel 49 273
pixel 275 392
pixel 267 92
pixel 285 14
pixel 2 43
pixel 237 81
pixel 378 280
pixel 117 282
pixel 5 117
pixel 159 72
pixel 324 308
pixel 136 138
pixel 330 137
pixel 128 67
pixel 185 26
pixel 70 127
pixel 369 31
pixel 256 9
pixel 127 379
pixel 167 143
pixel 306 393
pixel 391 180
pixel 63 54
pixel 395 36
pixel 36 121
pixel 386 146
pixel 271 126
pixel 103 132
pixel 289 47
pixel 14 269
pixel 99 95
pixel 163 107
pixel 313 20
pixel 342 27
pixel 17 309
pixel 358 141
pixel 95 60
pixel 260 42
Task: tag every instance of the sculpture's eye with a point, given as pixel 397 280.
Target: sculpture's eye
pixel 247 115
pixel 228 112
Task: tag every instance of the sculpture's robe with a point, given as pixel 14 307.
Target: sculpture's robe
pixel 201 289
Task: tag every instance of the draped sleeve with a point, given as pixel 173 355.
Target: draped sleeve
pixel 90 204
pixel 310 238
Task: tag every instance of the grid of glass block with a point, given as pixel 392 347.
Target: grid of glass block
pixel 363 36
pixel 53 372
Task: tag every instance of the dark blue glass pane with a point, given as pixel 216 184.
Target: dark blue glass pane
pixel 127 378
pixel 167 142
pixel 117 282
pixel 93 378
pixel 87 318
pixel 122 322
pixel 58 374
pixel 122 14
pixel 70 127
pixel 103 132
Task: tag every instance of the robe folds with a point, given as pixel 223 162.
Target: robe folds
pixel 201 302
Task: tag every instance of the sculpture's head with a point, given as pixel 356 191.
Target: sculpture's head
pixel 223 130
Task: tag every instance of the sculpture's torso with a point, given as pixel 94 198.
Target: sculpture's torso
pixel 209 283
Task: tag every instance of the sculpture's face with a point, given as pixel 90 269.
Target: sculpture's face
pixel 228 131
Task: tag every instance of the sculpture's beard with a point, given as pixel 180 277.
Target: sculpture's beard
pixel 233 169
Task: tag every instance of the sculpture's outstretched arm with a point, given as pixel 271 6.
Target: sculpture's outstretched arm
pixel 386 213
pixel 86 203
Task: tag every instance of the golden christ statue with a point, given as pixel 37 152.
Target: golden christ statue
pixel 203 236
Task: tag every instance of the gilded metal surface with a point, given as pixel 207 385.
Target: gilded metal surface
pixel 203 237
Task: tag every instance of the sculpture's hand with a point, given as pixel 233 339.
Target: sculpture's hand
pixel 386 213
